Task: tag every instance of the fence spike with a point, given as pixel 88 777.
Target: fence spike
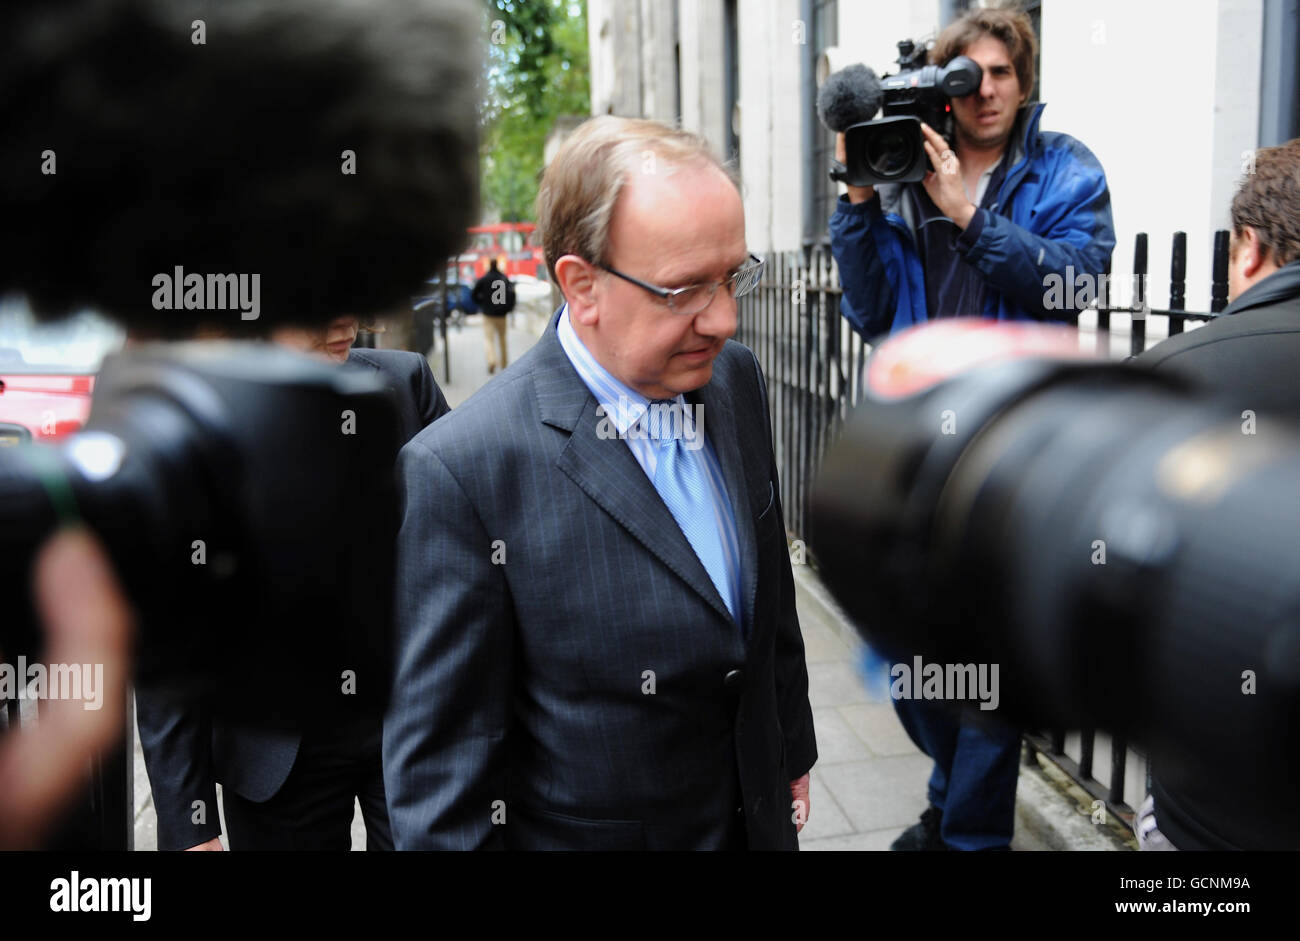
pixel 1178 282
pixel 1219 286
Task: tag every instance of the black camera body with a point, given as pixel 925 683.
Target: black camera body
pixel 889 149
pixel 246 497
pixel 1062 529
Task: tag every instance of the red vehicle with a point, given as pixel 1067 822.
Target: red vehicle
pixel 47 372
pixel 512 244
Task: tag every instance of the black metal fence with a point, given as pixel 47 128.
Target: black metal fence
pixel 813 364
pixel 813 361
pixel 1176 314
pixel 1052 744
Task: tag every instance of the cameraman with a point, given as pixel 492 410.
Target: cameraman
pixel 1008 206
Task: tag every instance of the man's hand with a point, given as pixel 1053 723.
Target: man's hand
pixel 857 194
pixel 800 803
pixel 212 846
pixel 944 183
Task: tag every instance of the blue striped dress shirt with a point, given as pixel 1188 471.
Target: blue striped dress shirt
pixel 627 409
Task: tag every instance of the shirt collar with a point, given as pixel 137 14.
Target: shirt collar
pixel 623 405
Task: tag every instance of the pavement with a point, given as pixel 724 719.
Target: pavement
pixel 468 360
pixel 869 783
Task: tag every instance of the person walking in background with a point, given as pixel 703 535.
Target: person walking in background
pixel 494 294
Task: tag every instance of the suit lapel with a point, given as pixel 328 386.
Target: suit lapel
pixel 720 429
pixel 608 473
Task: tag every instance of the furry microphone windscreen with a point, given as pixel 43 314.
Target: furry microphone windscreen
pixel 848 97
pixel 323 150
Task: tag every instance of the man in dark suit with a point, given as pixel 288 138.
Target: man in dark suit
pixel 1251 351
pixel 283 788
pixel 1248 357
pixel 597 639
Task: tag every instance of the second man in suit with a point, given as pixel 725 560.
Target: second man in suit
pixel 597 639
pixel 283 788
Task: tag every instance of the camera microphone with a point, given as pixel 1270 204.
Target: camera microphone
pixel 848 97
pixel 891 149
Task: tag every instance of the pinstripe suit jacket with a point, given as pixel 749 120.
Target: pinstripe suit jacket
pixel 567 675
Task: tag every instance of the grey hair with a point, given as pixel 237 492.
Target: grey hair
pixel 581 186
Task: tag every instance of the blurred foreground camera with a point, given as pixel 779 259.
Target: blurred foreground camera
pixel 321 153
pixel 1124 549
pixel 220 477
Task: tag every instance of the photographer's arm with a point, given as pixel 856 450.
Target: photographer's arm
pixel 857 194
pixel 1073 217
pixel 86 619
pixel 860 241
pixel 1077 233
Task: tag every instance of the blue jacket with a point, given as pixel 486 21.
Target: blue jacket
pixel 1052 215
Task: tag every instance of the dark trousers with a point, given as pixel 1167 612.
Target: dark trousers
pixel 313 809
pixel 976 765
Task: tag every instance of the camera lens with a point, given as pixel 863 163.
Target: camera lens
pixel 891 153
pixel 1084 510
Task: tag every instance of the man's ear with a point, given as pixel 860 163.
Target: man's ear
pixel 577 280
pixel 1251 254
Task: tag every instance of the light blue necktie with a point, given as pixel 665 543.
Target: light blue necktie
pixel 680 480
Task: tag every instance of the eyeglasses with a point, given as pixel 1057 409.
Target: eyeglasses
pixel 696 297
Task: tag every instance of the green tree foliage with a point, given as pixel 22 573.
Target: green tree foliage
pixel 537 70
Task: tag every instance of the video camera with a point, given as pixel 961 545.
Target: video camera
pixel 889 149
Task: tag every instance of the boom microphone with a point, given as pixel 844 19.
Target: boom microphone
pixel 848 97
pixel 323 150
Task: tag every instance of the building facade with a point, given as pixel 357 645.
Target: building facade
pixel 1171 95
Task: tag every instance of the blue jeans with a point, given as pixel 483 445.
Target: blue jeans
pixel 976 765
